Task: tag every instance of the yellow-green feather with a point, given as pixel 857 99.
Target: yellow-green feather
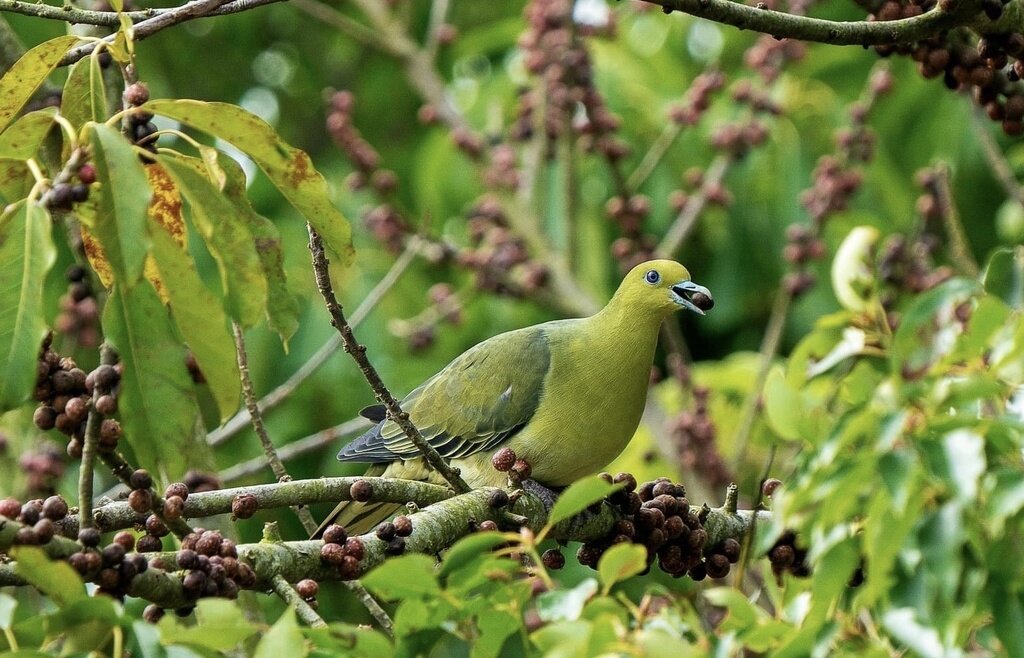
pixel 567 396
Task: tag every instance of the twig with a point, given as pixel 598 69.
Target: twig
pixel 240 420
pixel 769 346
pixel 307 614
pixel 294 449
pixel 343 23
pixel 371 604
pixel 280 472
pixel 688 215
pixel 960 251
pixel 996 158
pixel 358 352
pixel 438 13
pixel 90 446
pixel 783 25
pixel 150 26
pixel 121 469
pixel 650 161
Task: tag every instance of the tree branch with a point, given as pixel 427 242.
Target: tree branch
pixel 782 25
pixel 358 352
pixel 307 614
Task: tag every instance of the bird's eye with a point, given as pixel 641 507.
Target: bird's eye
pixel 652 276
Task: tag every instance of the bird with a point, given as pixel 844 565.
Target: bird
pixel 566 396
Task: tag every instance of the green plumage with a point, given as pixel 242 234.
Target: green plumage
pixel 566 395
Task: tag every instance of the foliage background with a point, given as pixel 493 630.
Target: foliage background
pixel 281 64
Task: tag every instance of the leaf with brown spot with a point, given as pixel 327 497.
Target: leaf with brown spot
pixel 22 139
pixel 28 74
pixel 288 168
pixel 84 98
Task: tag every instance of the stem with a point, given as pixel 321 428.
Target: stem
pixel 960 250
pixel 294 449
pixel 307 614
pixel 997 159
pixel 90 443
pixel 658 149
pixel 769 346
pixel 280 472
pixel 371 604
pixel 358 352
pixel 695 203
pixel 240 421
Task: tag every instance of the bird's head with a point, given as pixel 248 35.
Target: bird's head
pixel 660 287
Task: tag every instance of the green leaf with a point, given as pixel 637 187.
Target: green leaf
pixel 26 255
pixel 620 562
pixel 1008 618
pixel 124 197
pixel 20 81
pixel 288 168
pixel 84 99
pixel 347 640
pixel 924 640
pixel 16 180
pixel 783 405
pixel 54 578
pixel 229 241
pixel 742 613
pixel 283 639
pixel 965 459
pixel 158 409
pixel 565 604
pixel 578 497
pixel 23 138
pixel 8 604
pixel 221 626
pixel 282 306
pixel 495 625
pixel 408 576
pixel 1004 275
pixel 200 319
pixel 466 550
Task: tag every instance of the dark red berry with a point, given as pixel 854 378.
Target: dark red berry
pixel 335 534
pixel 553 559
pixel 243 506
pixel 141 500
pixel 354 547
pixel 403 526
pixel 54 508
pixel 140 479
pixel 89 537
pixel 487 526
pixel 361 491
pixel 503 460
pixel 307 588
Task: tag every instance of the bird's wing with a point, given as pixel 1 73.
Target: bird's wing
pixel 476 403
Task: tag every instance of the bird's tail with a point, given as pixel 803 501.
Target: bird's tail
pixel 357 518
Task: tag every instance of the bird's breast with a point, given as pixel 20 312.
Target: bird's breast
pixel 593 399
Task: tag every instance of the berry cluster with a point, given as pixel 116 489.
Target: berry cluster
pixel 657 514
pixel 695 436
pixel 79 313
pixel 698 98
pixel 141 128
pixel 342 551
pixel 64 195
pixel 393 533
pixel 498 257
pixel 989 68
pixel 112 567
pixel 65 394
pixel 38 518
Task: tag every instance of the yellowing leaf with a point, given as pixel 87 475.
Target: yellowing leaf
pixel 620 562
pixel 288 168
pixel 28 74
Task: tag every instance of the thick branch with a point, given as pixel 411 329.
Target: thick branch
pixel 167 18
pixel 782 25
pixel 358 352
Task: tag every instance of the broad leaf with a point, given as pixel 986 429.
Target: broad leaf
pixel 23 138
pixel 124 194
pixel 84 98
pixel 227 238
pixel 20 81
pixel 408 576
pixel 566 604
pixel 283 639
pixel 158 409
pixel 54 578
pixel 282 306
pixel 581 495
pixel 221 626
pixel 197 312
pixel 620 562
pixel 466 550
pixel 288 168
pixel 26 255
pixel 783 406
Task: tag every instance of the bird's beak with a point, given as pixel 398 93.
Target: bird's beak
pixel 695 297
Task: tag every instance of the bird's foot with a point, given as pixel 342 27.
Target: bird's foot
pixel 547 496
